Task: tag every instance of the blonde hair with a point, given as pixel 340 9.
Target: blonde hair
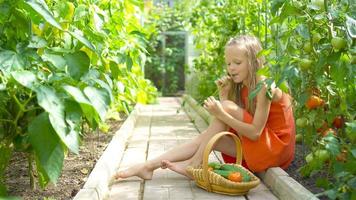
pixel 252 47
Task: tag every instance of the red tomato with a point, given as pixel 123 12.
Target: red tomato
pixel 338 122
pixel 314 102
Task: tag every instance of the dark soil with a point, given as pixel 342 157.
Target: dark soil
pixel 308 183
pixel 76 168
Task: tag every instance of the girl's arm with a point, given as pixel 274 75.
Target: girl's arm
pixel 254 130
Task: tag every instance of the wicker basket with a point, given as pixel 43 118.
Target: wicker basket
pixel 213 182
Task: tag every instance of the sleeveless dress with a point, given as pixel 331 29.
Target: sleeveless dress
pixel 275 146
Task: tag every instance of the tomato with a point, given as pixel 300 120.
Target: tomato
pixel 302 122
pixel 316 37
pixel 338 122
pixel 322 155
pixel 305 64
pixel 298 138
pixel 338 43
pixel 235 177
pixel 314 102
pixel 307 47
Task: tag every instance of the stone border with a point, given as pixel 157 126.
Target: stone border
pixel 97 184
pixel 278 181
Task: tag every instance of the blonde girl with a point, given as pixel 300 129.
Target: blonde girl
pixel 265 126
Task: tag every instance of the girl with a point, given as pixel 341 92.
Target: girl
pixel 265 126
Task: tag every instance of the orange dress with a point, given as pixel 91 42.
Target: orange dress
pixel 275 146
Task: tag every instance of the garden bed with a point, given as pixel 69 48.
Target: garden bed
pixel 76 168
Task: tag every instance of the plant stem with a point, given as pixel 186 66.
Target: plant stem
pixel 6 120
pixel 30 172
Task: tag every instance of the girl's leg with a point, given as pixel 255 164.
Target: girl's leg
pixel 224 145
pixel 176 154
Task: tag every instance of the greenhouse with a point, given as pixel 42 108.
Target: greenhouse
pixel 177 99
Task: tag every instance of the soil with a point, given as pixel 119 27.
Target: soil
pixel 308 183
pixel 76 168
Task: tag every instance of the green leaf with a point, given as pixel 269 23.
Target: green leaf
pixel 125 107
pixel 73 119
pixel 78 35
pixel 78 64
pixel 353 152
pixel 120 86
pixel 47 146
pixel 80 12
pixel 129 62
pixel 351 26
pixel 25 78
pixel 86 106
pixel 56 60
pixel 99 99
pixel 322 182
pixel 37 42
pixel 10 61
pixel 50 101
pixel 264 71
pixel 302 29
pixel 105 86
pixel 43 178
pixel 114 68
pixel 41 8
pixel 254 93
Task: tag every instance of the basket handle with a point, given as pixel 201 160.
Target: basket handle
pixel 209 148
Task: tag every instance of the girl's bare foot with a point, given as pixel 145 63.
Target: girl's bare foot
pixel 141 170
pixel 179 167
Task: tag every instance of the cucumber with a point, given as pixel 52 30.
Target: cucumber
pixel 229 167
pixel 245 176
pixel 215 165
pixel 223 173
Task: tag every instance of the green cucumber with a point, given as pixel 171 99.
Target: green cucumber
pixel 215 165
pixel 223 173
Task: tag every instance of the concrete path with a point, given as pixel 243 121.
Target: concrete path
pixel 158 128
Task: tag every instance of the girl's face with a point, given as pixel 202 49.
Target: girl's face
pixel 237 63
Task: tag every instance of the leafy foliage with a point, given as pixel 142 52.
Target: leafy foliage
pixel 165 66
pixel 62 64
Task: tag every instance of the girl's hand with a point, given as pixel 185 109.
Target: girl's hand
pixel 224 85
pixel 213 106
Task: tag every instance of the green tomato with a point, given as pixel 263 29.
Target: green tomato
pixel 307 47
pixel 305 63
pixel 338 43
pixel 302 122
pixel 298 138
pixel 322 155
pixel 316 37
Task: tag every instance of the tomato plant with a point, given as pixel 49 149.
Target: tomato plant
pixel 64 64
pixel 310 45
